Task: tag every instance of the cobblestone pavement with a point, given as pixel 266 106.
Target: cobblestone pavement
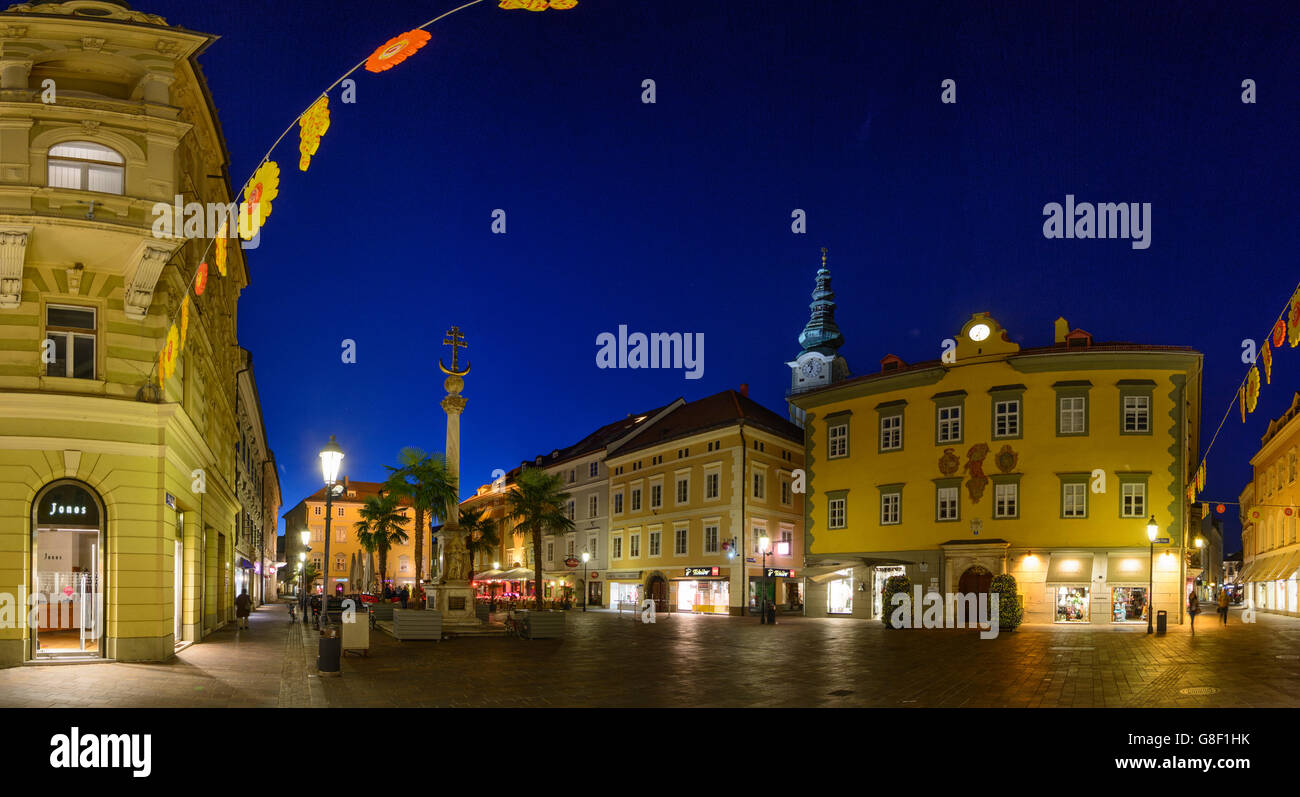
pixel 690 660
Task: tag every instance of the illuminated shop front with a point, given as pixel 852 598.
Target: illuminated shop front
pixel 1127 577
pixel 68 573
pixel 1068 578
pixel 702 589
pixel 1071 604
pixel 839 593
pixel 1128 604
pixel 625 588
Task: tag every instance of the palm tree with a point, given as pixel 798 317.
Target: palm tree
pixel 423 479
pixel 480 534
pixel 308 575
pixel 380 528
pixel 538 506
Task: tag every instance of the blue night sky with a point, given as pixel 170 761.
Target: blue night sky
pixel 676 216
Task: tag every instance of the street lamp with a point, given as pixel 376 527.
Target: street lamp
pixel 586 557
pixel 763 542
pixel 330 458
pixel 1152 530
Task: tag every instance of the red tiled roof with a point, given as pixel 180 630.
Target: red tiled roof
pixel 713 412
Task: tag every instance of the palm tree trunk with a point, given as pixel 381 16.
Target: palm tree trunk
pixel 419 552
pixel 537 567
pixel 383 569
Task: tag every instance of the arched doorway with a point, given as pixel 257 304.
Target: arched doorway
pixel 657 591
pixel 977 579
pixel 67 572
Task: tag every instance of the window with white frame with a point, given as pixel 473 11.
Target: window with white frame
pixel 550 551
pixel 891 432
pixel 760 486
pixel 1137 414
pixel 947 506
pixel 593 469
pixel 1133 499
pixel 710 538
pixel 636 499
pixel 838 445
pixel 1006 500
pixel 891 506
pixel 72 332
pixel 949 421
pixel 1006 418
pixel 656 538
pixel 837 513
pixel 679 541
pixel 618 503
pixel 1073 414
pixel 634 546
pixel 785 545
pixel 86 166
pixel 656 496
pixel 591 546
pixel 1291 466
pixel 683 489
pixel 404 564
pixel 317 510
pixel 593 506
pixel 571 510
pixel 341 534
pixel 711 482
pixel 1074 499
pixel 568 546
pixel 785 492
pixel 617 551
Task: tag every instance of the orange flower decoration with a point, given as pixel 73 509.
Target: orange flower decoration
pixel 201 280
pixel 311 127
pixel 220 245
pixel 162 369
pixel 396 50
pixel 1252 389
pixel 563 5
pixel 1241 402
pixel 1279 334
pixel 1266 357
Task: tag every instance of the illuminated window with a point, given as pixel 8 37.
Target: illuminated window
pixel 86 166
pixel 71 330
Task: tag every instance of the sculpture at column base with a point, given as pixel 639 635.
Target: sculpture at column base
pixel 454 596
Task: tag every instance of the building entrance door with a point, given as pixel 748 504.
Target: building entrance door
pixel 659 593
pixel 67 573
pixel 976 580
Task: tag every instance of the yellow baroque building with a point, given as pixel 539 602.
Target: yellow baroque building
pixel 1045 463
pixel 1271 551
pixel 118 512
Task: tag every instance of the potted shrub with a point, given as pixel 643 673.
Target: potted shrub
pixel 894 585
pixel 1010 612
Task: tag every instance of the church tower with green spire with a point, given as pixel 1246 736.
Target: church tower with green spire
pixel 818 363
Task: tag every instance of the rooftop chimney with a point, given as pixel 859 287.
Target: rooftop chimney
pixel 744 389
pixel 1062 329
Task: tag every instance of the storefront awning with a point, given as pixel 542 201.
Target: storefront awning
pixel 1247 571
pixel 244 563
pixel 825 573
pixel 488 575
pixel 1070 568
pixel 1124 568
pixel 517 574
pixel 1277 567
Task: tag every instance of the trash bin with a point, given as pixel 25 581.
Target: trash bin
pixel 1162 621
pixel 331 650
pixel 771 614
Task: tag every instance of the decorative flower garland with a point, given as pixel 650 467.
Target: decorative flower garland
pixel 396 50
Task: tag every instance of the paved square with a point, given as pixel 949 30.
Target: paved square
pixel 609 660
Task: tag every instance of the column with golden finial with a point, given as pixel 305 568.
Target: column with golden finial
pixel 454 595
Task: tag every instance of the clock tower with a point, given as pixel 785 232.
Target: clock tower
pixel 818 364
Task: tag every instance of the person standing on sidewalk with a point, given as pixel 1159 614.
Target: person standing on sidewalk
pixel 1193 608
pixel 243 607
pixel 1223 606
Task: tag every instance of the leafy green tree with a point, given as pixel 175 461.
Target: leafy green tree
pixel 480 534
pixel 380 528
pixel 423 479
pixel 893 586
pixel 538 505
pixel 1010 612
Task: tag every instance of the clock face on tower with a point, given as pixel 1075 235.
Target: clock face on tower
pixel 812 369
pixel 979 332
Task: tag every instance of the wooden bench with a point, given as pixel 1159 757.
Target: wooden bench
pixel 417 624
pixel 542 625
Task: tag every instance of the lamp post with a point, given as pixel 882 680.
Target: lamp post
pixel 586 557
pixel 302 586
pixel 330 458
pixel 1152 530
pixel 1200 557
pixel 763 542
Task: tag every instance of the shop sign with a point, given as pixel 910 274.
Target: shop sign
pixel 623 575
pixel 171 501
pixel 65 503
pixel 572 561
pixel 594 574
pixel 701 571
pixel 1162 540
pixel 780 572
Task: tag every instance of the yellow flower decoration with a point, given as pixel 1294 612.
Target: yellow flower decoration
pixel 1266 357
pixel 1241 402
pixel 1293 321
pixel 537 5
pixel 1200 478
pixel 563 5
pixel 220 245
pixel 185 319
pixel 171 350
pixel 1252 389
pixel 258 193
pixel 311 127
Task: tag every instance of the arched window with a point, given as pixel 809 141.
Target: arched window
pixel 86 166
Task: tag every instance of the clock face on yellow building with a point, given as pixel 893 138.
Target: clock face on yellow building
pixel 979 332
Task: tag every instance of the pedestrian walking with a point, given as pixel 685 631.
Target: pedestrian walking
pixel 1193 609
pixel 291 617
pixel 1223 606
pixel 243 607
pixel 405 595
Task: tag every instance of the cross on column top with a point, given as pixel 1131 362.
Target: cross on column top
pixel 456 341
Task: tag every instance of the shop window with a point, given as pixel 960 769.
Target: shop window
pixel 86 166
pixel 1071 604
pixel 70 333
pixel 839 593
pixel 1129 604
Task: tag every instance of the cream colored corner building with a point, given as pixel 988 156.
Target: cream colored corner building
pixel 102 508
